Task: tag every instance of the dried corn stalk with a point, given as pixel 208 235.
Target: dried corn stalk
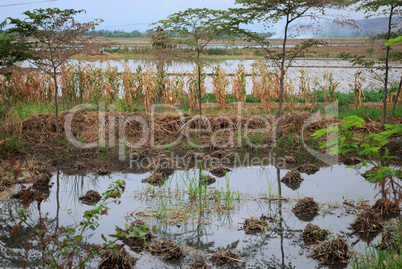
pixel 239 84
pixel 256 79
pixel 192 84
pixel 358 89
pixel 220 82
pixel 149 86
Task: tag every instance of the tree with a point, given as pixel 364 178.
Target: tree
pixel 195 28
pixel 269 12
pixel 55 36
pixel 383 7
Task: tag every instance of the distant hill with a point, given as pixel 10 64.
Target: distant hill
pixel 372 26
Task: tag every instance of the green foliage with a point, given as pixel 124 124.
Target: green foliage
pixel 348 142
pixel 393 41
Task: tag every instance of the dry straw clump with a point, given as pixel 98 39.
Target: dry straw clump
pixel 312 234
pixel 306 208
pixel 169 250
pixel 253 225
pixel 334 251
pixel 122 261
pixel 224 257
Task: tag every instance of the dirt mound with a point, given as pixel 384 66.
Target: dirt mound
pixel 305 209
pixel 169 250
pixel 335 251
pixel 254 225
pixel 312 234
pixel 368 221
pixel 199 264
pixel 292 179
pixel 207 179
pixel 219 171
pixel 351 160
pixel 123 260
pixel 224 257
pixel 156 179
pixel 136 233
pixel 309 169
pixel 386 209
pixel 91 197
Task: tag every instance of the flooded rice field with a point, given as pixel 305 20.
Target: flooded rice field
pixel 203 220
pixel 342 71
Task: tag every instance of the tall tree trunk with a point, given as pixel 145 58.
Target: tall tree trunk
pixel 199 86
pixel 384 109
pixel 281 79
pixel 55 100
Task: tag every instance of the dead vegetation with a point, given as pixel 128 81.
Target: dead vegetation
pixel 156 179
pixel 91 197
pixel 199 264
pixel 167 249
pixel 85 126
pixel 254 225
pixel 368 221
pixel 309 169
pixel 351 160
pixel 334 251
pixel 313 234
pixel 219 171
pixel 292 179
pixel 224 257
pixel 305 209
pixel 386 209
pixel 112 260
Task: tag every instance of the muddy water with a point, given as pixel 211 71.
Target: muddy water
pixel 342 71
pixel 280 247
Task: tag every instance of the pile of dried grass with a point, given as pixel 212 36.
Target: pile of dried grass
pixel 292 179
pixel 91 197
pixel 124 260
pixel 169 250
pixel 351 160
pixel 224 257
pixel 309 169
pixel 334 251
pixel 368 221
pixel 156 179
pixel 386 208
pixel 199 264
pixel 219 171
pixel 254 225
pixel 305 209
pixel 312 234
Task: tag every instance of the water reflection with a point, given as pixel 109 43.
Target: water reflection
pixel 260 189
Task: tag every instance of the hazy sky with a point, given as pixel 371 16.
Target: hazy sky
pixel 125 15
pixel 117 14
